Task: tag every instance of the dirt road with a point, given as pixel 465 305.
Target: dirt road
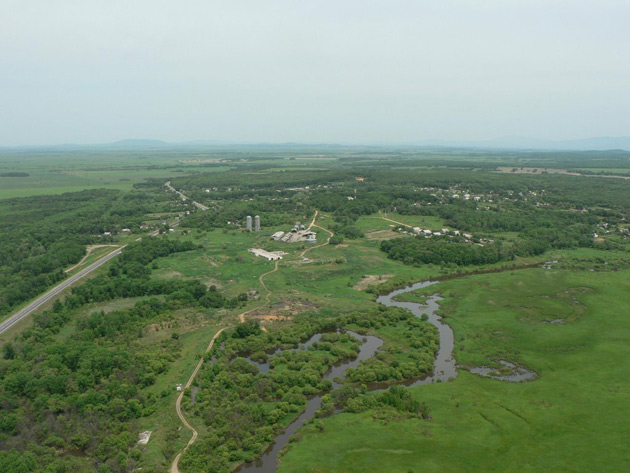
pixel 178 404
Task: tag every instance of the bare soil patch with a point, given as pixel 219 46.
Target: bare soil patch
pixel 272 317
pixel 284 309
pixel 371 280
pixel 211 261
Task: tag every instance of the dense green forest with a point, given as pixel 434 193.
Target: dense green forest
pixel 41 236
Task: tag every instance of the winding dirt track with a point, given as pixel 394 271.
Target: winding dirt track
pixel 330 235
pixel 241 317
pixel 178 405
pixel 313 221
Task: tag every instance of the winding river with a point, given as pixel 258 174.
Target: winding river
pixel 268 462
pixel 444 369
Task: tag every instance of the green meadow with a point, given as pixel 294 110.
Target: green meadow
pixel 44 182
pixel 573 417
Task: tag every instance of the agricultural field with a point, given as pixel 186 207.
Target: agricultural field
pixel 531 271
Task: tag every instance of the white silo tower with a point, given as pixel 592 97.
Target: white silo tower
pixel 249 223
pixel 257 223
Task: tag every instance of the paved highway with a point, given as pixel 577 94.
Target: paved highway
pixel 33 306
pixel 185 198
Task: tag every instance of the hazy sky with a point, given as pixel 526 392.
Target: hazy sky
pixel 93 71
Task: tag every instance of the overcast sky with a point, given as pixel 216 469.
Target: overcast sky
pixel 79 71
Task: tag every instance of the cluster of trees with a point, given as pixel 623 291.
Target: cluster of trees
pixel 418 251
pixel 244 408
pixel 408 351
pixel 352 399
pixel 72 384
pixel 71 402
pixel 129 276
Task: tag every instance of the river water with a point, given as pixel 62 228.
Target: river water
pixel 444 369
pixel 268 462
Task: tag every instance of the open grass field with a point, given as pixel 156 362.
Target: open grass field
pixel 573 417
pixel 43 182
pixel 323 278
pixel 51 172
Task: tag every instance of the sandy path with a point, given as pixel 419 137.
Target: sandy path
pixel 312 221
pixel 90 249
pixel 330 235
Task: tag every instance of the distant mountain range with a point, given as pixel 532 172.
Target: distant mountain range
pixel 138 144
pixel 600 143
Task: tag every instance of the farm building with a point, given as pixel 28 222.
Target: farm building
pixel 270 255
pixel 276 236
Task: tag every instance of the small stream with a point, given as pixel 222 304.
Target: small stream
pixel 268 462
pixel 518 373
pixel 444 369
pixel 264 366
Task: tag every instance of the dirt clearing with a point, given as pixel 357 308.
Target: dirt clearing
pixel 371 280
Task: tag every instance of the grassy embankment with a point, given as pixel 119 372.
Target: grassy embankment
pixel 574 417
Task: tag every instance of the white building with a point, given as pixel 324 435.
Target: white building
pixel 276 236
pixel 270 255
